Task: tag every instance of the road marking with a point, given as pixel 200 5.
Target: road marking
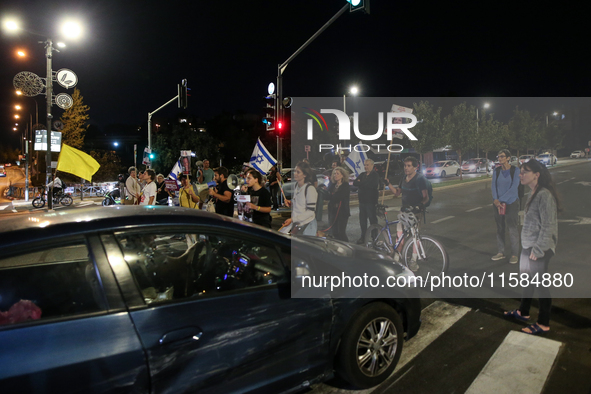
pixel 473 209
pixel 520 365
pixel 441 220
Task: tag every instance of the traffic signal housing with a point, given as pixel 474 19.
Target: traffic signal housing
pixel 182 97
pixel 359 5
pixel 270 112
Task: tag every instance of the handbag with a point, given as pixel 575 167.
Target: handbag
pixel 210 206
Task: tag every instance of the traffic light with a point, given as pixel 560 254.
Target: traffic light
pixel 356 5
pixel 270 116
pixel 282 126
pixel 152 156
pixel 182 97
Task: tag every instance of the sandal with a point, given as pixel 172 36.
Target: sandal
pixel 534 329
pixel 515 314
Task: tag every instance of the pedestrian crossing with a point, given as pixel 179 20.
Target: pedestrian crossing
pixel 521 363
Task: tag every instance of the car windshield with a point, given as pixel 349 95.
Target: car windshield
pixel 473 161
pixel 437 164
pixel 544 156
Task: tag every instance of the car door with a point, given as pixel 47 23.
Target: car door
pixel 216 315
pixel 64 327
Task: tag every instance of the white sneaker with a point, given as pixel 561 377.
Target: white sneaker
pixel 413 266
pixel 498 256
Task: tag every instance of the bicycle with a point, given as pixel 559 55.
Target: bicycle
pixel 422 254
pixel 59 198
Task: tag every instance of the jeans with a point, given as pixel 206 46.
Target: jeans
pixel 532 267
pixel 510 221
pixel 275 195
pixel 367 211
pixel 311 228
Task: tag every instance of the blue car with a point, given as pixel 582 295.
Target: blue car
pixel 155 299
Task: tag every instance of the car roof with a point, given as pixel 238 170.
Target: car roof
pixel 43 224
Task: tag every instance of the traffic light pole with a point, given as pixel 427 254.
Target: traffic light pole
pixel 49 95
pixel 281 69
pixel 150 120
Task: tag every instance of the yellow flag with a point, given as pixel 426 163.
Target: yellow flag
pixel 74 161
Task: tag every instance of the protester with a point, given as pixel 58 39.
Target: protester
pixel 539 237
pixel 274 180
pixel 161 192
pixel 413 188
pixel 338 205
pixel 148 194
pixel 223 195
pixel 303 203
pixel 506 204
pixel 208 174
pixel 132 187
pixel 188 197
pixel 260 199
pixel 367 184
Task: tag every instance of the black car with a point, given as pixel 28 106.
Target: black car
pixel 162 299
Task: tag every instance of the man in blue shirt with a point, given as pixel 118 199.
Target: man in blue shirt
pixel 505 184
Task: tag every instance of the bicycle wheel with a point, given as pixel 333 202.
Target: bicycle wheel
pixel 38 202
pixel 100 193
pixel 431 257
pixel 66 200
pixel 377 238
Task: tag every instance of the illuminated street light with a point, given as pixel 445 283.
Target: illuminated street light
pixel 61 44
pixel 71 29
pixel 21 53
pixel 115 143
pixel 18 92
pixel 352 91
pixel 17 106
pixel 16 116
pixel 485 106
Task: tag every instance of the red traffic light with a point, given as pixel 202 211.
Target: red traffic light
pixel 280 125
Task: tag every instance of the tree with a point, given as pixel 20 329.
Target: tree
pixel 110 165
pixel 74 121
pixel 524 131
pixel 492 134
pixel 428 129
pixel 460 129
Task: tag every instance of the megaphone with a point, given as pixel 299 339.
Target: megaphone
pixel 234 181
pixel 199 163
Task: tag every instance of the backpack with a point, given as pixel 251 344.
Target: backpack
pixel 520 188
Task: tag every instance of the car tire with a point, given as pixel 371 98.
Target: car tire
pixel 443 174
pixel 458 172
pixel 353 361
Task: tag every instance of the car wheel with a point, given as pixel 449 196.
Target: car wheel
pixel 371 345
pixel 458 172
pixel 477 169
pixel 443 174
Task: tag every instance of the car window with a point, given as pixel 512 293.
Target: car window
pixel 178 266
pixel 55 282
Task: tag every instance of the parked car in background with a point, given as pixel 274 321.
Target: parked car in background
pixel 548 159
pixel 162 299
pixel 442 169
pixel 577 154
pixel 525 158
pixel 8 165
pixel 2 171
pixel 478 165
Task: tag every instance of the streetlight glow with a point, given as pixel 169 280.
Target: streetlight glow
pixel 71 29
pixel 18 92
pixel 486 105
pixel 10 25
pixel 354 90
pixel 16 116
pixel 61 44
pixel 17 106
pixel 21 53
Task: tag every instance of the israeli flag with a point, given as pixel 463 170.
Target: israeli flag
pixel 355 161
pixel 261 160
pixel 176 171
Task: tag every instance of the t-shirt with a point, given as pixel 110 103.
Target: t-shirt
pixel 161 191
pixel 261 198
pixel 412 192
pixel 148 191
pixel 221 207
pixel 208 175
pixel 185 199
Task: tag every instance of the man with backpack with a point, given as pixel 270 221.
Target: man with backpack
pixel 506 203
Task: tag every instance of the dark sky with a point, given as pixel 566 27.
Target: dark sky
pixel 134 53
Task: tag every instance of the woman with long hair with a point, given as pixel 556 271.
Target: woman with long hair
pixel 338 205
pixel 539 237
pixel 303 202
pixel 260 199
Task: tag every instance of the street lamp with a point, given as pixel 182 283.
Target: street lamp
pixel 69 29
pixel 353 92
pixel 485 106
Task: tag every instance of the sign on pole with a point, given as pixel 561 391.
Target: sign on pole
pixel 41 140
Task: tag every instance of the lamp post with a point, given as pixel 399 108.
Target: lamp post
pixel 69 29
pixel 485 106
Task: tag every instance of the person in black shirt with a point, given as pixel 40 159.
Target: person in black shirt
pixel 224 204
pixel 338 205
pixel 367 184
pixel 274 186
pixel 161 192
pixel 260 199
